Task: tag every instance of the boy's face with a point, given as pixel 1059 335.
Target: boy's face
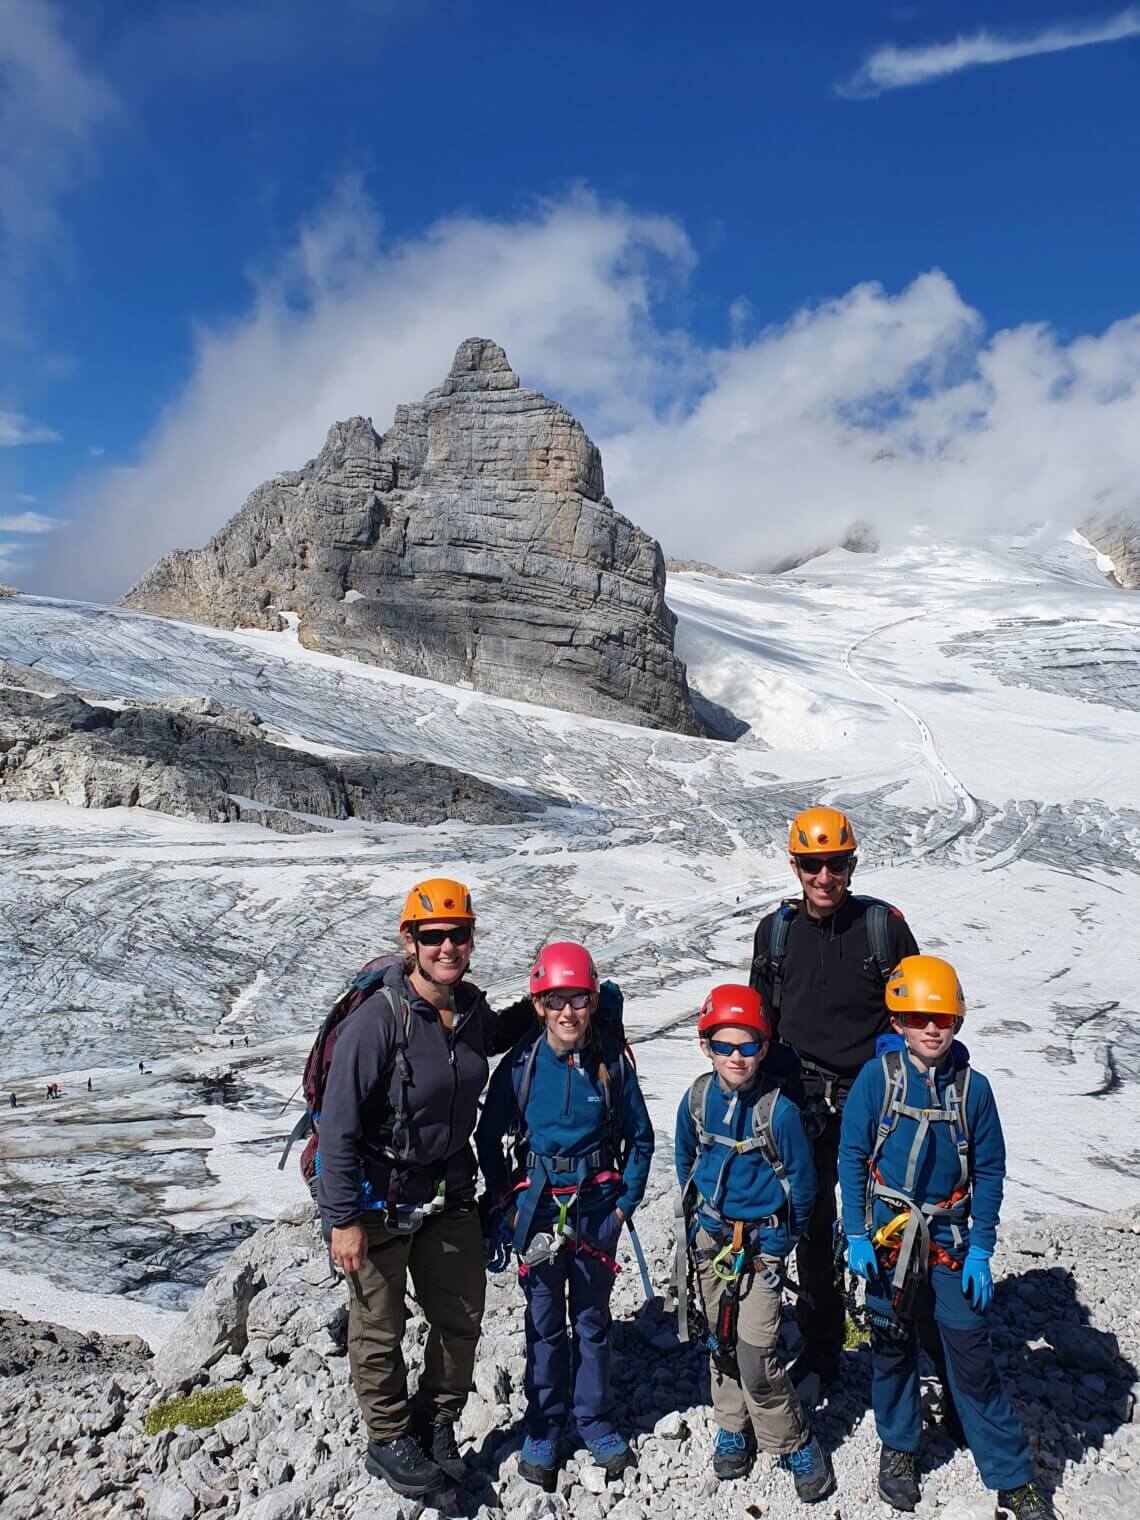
pixel 928 1035
pixel 725 1047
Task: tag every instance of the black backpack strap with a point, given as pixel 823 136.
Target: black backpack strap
pixel 878 939
pixel 774 958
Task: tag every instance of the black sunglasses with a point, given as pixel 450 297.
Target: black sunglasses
pixel 556 1001
pixel 812 865
pixel 461 935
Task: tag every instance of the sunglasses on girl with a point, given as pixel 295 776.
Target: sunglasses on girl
pixel 556 1001
pixel 812 865
pixel 727 1048
pixel 920 1020
pixel 461 935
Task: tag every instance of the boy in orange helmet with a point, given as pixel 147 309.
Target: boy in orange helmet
pixel 921 1166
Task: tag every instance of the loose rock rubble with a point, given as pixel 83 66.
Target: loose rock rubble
pixel 1066 1324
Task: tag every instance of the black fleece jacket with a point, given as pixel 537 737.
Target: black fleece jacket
pixel 832 1008
pixel 448 1077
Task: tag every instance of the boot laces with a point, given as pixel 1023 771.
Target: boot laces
pixel 803 1461
pixel 1027 1502
pixel 729 1442
pixel 898 1464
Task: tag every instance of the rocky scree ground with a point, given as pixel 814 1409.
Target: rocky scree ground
pixel 472 542
pixel 193 758
pixel 1066 1324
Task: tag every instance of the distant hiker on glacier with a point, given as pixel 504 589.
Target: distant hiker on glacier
pixel 567 1106
pixel 747 1191
pixel 921 1166
pixel 395 1177
pixel 820 962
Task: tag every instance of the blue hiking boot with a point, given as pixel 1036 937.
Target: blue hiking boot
pixel 612 1453
pixel 733 1453
pixel 538 1462
pixel 811 1471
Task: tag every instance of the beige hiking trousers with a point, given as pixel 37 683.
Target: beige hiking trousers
pixel 445 1261
pixel 763 1392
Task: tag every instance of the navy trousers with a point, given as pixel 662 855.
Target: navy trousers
pixel 993 1432
pixel 565 1377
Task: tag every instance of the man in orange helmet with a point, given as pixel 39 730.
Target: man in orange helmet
pixel 820 962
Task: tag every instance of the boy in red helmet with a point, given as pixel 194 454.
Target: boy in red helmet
pixel 747 1191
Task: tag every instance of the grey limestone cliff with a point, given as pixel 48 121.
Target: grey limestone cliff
pixel 1118 536
pixel 472 542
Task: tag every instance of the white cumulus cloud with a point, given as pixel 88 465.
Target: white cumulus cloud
pixel 891 406
pixel 15 429
pixel 894 68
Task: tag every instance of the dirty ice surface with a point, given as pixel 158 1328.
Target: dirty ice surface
pixel 976 709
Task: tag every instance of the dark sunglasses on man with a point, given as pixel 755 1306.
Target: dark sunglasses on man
pixel 812 865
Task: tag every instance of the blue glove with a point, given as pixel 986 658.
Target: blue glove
pixel 977 1279
pixel 861 1258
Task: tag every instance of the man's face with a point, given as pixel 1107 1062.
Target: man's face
pixel 824 880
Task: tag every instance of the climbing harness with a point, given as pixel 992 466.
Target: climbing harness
pixel 903 1243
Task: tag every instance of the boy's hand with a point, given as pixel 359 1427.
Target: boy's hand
pixel 861 1258
pixel 977 1279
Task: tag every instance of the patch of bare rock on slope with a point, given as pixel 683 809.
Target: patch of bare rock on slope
pixel 194 759
pixel 1066 1326
pixel 1117 534
pixel 472 542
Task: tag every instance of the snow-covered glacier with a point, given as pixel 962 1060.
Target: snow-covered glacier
pixel 974 708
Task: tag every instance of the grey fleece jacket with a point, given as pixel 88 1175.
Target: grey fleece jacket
pixel 448 1074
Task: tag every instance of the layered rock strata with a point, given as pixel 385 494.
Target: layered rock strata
pixel 473 542
pixel 192 758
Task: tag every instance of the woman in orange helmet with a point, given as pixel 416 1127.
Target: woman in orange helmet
pixel 396 1181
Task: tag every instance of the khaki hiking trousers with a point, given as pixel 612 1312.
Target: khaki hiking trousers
pixel 763 1392
pixel 445 1261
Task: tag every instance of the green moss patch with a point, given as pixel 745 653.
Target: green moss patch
pixel 198 1410
pixel 853 1336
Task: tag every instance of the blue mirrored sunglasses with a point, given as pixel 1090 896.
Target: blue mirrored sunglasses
pixel 727 1048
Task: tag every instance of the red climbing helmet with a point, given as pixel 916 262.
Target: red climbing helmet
pixel 734 1004
pixel 563 965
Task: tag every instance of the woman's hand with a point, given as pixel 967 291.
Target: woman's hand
pixel 349 1247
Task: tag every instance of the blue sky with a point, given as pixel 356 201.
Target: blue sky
pixel 200 191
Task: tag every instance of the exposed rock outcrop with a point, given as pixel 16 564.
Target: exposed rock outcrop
pixel 472 542
pixel 1118 536
pixel 190 757
pixel 1065 1324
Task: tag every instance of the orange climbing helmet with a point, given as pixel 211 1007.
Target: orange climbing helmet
pixel 821 831
pixel 438 897
pixel 734 1004
pixel 925 984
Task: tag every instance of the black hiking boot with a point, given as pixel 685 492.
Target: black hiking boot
pixel 898 1478
pixel 1024 1503
pixel 403 1466
pixel 437 1437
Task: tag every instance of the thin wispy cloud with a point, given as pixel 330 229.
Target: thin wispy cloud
pixel 897 68
pixel 27 522
pixel 15 429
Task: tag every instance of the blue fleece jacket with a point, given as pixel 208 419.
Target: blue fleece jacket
pixel 566 1116
pixel 938 1171
pixel 747 1188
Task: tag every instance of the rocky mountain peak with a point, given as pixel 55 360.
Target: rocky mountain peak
pixel 480 365
pixel 472 542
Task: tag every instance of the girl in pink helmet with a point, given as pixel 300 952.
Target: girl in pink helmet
pixel 567 1103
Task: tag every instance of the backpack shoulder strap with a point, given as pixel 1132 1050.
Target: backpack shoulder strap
pixel 522 1080
pixel 763 1132
pixel 878 939
pixel 698 1103
pixel 778 931
pixel 894 1090
pixel 401 1010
